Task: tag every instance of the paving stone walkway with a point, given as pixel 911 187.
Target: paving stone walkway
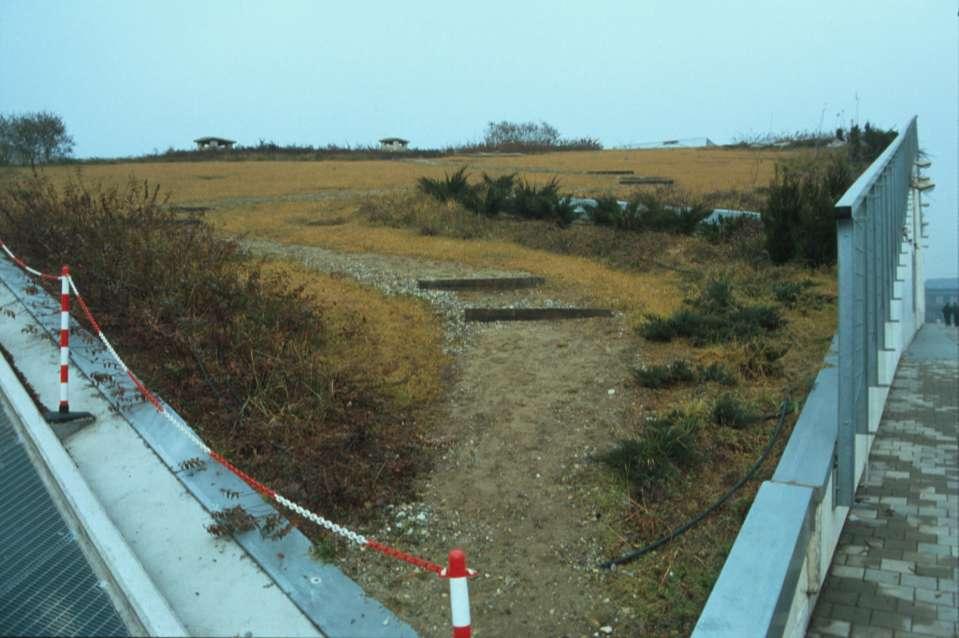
pixel 895 569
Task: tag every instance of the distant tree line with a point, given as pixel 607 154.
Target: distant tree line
pixel 33 138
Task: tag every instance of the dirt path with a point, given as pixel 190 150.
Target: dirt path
pixel 516 488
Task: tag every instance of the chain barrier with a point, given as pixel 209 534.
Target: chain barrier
pixel 22 264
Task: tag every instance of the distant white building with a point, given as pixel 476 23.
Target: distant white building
pixel 394 144
pixel 213 143
pixel 688 142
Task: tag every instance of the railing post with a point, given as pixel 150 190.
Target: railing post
pixel 848 302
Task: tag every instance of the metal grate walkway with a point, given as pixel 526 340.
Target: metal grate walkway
pixel 47 588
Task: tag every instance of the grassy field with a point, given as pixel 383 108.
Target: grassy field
pixel 396 341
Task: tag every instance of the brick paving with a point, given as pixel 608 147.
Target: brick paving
pixel 897 563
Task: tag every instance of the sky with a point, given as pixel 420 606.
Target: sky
pixel 134 77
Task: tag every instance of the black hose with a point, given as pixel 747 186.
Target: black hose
pixel 679 531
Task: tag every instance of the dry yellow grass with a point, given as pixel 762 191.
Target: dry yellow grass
pixel 396 341
pixel 695 170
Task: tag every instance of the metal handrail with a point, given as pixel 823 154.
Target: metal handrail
pixel 871 224
pixel 854 195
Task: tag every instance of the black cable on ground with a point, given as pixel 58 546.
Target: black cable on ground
pixel 679 531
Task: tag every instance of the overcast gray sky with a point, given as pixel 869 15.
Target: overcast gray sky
pixel 131 77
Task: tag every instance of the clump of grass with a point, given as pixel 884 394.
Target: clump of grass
pixel 667 444
pixel 762 358
pixel 717 373
pixel 712 317
pixel 729 411
pixel 673 373
pixel 681 371
pixel 453 186
pixel 238 350
pixel 541 202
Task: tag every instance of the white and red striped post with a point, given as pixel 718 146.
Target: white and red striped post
pixel 64 339
pixel 458 575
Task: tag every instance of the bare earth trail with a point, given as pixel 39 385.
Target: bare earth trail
pixel 515 487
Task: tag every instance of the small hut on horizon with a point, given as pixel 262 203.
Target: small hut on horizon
pixel 213 143
pixel 394 144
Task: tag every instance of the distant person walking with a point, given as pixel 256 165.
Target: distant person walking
pixel 949 313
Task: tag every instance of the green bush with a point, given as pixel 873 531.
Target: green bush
pixel 799 220
pixel 667 444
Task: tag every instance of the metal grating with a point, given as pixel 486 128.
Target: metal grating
pixel 47 588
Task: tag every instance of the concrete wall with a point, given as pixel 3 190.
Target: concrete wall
pixel 770 582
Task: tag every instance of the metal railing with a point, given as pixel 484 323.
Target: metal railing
pixel 871 226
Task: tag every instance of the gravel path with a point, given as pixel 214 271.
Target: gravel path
pixel 530 404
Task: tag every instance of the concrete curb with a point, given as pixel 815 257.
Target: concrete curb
pixel 140 596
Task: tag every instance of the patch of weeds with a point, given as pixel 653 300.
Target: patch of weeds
pixel 323 549
pixel 729 411
pixel 667 444
pixel 681 371
pixel 275 526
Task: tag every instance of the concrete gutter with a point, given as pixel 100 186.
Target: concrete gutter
pixel 136 597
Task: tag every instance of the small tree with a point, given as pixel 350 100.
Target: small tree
pixel 34 138
pixel 521 134
pixel 800 220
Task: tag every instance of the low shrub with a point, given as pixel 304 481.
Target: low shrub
pixel 667 444
pixel 712 317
